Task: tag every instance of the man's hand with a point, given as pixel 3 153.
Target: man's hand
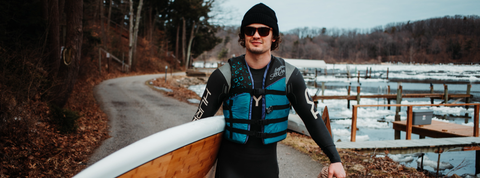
pixel 336 169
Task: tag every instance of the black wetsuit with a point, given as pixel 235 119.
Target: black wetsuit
pixel 254 159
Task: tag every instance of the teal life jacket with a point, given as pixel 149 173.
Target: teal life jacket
pixel 237 108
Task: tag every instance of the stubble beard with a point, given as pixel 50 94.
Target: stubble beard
pixel 257 50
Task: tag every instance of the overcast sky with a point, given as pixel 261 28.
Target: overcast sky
pixel 348 14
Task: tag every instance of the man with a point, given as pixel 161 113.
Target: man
pixel 256 90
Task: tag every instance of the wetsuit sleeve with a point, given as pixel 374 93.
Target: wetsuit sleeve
pixel 213 96
pixel 305 108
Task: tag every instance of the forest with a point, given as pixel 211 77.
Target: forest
pixel 449 39
pixel 53 53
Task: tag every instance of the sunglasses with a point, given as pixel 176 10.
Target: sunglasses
pixel 262 31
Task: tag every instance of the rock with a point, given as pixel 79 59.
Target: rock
pixel 400 167
pixel 357 168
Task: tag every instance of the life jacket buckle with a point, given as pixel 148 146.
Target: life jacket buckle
pixel 260 134
pixel 269 109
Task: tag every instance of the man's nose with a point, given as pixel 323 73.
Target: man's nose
pixel 256 35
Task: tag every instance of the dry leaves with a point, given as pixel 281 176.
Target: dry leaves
pixel 355 164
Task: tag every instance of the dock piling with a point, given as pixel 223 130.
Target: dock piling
pixel 467 100
pixel 431 91
pixel 323 89
pixel 348 101
pixel 358 94
pixel 445 93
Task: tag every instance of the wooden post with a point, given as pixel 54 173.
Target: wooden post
pixel 398 109
pixel 438 161
pixel 358 94
pixel 388 92
pixel 353 133
pixel 323 89
pixel 477 162
pixel 358 77
pixel 109 59
pixel 475 120
pixel 166 72
pixel 467 100
pixel 431 91
pixel 348 101
pixel 409 123
pixel 370 76
pixel 387 72
pixel 399 98
pixel 100 61
pixel 445 94
pixel 366 73
pixel 326 73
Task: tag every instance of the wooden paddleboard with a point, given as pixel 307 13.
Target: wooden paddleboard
pixel 188 150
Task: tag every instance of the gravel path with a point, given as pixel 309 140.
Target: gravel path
pixel 136 111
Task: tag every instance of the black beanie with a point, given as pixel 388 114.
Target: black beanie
pixel 263 14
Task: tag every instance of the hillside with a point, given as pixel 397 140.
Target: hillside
pixel 449 39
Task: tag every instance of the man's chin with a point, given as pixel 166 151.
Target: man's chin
pixel 257 50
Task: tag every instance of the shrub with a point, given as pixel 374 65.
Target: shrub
pixel 65 119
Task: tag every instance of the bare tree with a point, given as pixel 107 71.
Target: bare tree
pixel 69 67
pixel 192 35
pixel 51 16
pixel 133 33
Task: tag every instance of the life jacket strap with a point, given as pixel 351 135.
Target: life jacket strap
pixel 256 122
pixel 256 133
pixel 257 92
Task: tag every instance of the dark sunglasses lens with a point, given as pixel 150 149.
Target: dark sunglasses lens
pixel 263 31
pixel 250 31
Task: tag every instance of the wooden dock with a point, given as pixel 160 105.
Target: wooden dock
pixel 425 130
pixel 394 96
pixel 437 129
pixel 413 146
pixel 445 96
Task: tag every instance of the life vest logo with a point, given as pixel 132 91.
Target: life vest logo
pixel 312 105
pixel 204 102
pixel 280 71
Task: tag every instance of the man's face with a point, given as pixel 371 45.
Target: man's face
pixel 258 44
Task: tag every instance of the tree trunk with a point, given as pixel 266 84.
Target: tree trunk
pixel 98 5
pixel 135 33
pixel 102 25
pixel 108 21
pixel 52 61
pixel 152 30
pixel 63 28
pixel 130 35
pixel 70 65
pixel 184 39
pixel 176 43
pixel 192 35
